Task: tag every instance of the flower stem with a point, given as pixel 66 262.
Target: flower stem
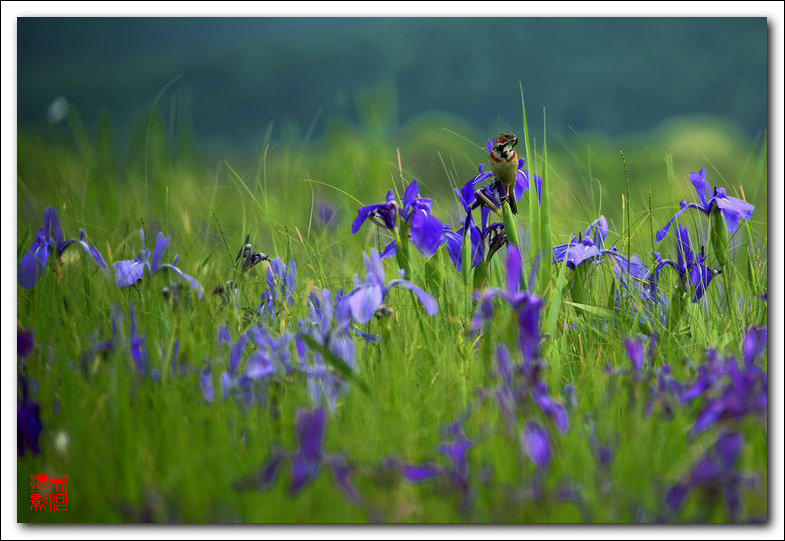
pixel 402 252
pixel 466 258
pixel 509 224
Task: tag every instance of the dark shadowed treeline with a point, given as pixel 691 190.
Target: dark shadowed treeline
pixel 236 76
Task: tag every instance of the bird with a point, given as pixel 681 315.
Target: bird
pixel 504 165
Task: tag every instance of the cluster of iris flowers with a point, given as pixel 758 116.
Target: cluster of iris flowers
pixel 128 272
pixel 412 217
pixel 326 353
pixel 726 392
pixel 49 242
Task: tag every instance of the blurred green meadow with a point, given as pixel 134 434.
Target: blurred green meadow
pixel 137 448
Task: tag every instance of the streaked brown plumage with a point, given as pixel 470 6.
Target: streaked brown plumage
pixel 504 165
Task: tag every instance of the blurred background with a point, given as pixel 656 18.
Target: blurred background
pixel 236 76
pixel 340 99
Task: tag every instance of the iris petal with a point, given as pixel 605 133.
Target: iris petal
pixel 426 299
pixel 127 272
pixel 364 301
pixel 702 188
pixel 420 472
pixel 536 444
pixel 426 232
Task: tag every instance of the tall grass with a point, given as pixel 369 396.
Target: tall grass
pixel 141 448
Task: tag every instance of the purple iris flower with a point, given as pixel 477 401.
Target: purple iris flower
pixel 369 295
pixel 456 448
pixel 635 353
pixel 206 384
pixel 547 404
pixel 536 443
pixel 527 306
pixel 689 266
pixel 420 472
pixel 494 191
pixel 414 214
pixel 236 352
pixel 230 378
pixel 755 340
pixel 642 283
pixel 307 460
pixel 730 390
pixel 631 273
pixel 331 317
pixel 467 194
pixel 716 199
pixel 707 373
pixel 49 240
pixel 521 386
pixel 280 279
pixel 270 357
pixel 589 246
pixel 25 341
pixel 272 353
pixel 128 272
pixel 603 453
pixel 135 342
pixel 382 214
pixel 485 238
pixel 736 393
pixel 227 377
pixel 638 361
pixel 330 325
pixel 28 421
pixel 454 242
pixel 714 472
pixel 326 214
pixel 658 386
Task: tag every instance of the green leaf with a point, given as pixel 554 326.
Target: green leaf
pixel 480 274
pixel 595 310
pixel 509 224
pixel 719 238
pixel 556 300
pixel 466 258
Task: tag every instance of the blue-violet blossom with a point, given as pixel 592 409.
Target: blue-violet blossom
pixel 732 208
pixel 689 266
pixel 414 216
pixel 128 272
pixel 369 295
pixel 49 240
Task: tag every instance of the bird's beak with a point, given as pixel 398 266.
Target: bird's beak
pixel 514 141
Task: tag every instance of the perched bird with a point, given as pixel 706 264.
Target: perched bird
pixel 504 165
pixel 247 257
